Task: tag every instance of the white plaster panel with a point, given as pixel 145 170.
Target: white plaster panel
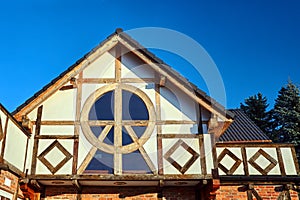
pixel 60 106
pixel 87 90
pixel 57 130
pixel 133 67
pixel 261 161
pixel 181 156
pixel 83 148
pixel 15 142
pixel 102 67
pixel 228 162
pixel 288 161
pixel 208 152
pixel 175 105
pixel 55 156
pixel 180 129
pixel 29 153
pixel 151 148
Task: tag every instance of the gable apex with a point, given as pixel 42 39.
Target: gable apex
pixel 120 37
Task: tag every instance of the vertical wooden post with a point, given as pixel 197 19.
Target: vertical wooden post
pixel 245 161
pixel 36 140
pixel 158 129
pixel 4 138
pixel 77 123
pixel 200 121
pixel 118 115
pixel 249 195
pixel 202 155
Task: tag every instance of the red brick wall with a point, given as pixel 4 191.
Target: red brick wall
pixel 230 192
pixel 266 192
pixel 13 185
pixel 151 193
pixel 116 193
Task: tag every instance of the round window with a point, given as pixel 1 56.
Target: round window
pixel 118 118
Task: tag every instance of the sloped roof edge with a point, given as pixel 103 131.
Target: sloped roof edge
pixel 243 129
pixel 146 52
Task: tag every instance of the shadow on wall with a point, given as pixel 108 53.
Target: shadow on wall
pixel 93 193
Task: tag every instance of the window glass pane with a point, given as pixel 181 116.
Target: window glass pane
pixel 126 138
pixel 133 107
pixel 139 130
pixel 103 109
pixel 135 163
pixel 101 163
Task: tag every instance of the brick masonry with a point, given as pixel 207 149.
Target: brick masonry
pixel 136 193
pixel 151 193
pixel 116 193
pixel 9 183
pixel 265 192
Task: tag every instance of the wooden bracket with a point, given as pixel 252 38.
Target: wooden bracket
pixel 26 123
pixel 209 189
pixel 162 81
pixel 161 183
pixel 77 185
pixel 250 191
pixel 72 85
pixel 29 191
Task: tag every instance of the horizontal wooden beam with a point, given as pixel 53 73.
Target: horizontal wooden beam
pixel 188 135
pixel 124 177
pixel 57 123
pixel 259 180
pixel 56 137
pixel 110 122
pixel 113 80
pixel 257 144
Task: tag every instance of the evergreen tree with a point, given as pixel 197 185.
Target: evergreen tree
pixel 255 108
pixel 286 115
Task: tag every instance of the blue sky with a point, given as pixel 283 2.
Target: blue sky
pixel 255 44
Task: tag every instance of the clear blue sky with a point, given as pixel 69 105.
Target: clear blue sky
pixel 254 43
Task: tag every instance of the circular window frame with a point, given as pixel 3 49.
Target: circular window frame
pixel 137 142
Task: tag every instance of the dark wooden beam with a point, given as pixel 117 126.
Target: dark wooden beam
pixel 36 141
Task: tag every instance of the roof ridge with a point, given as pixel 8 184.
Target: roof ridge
pixel 145 51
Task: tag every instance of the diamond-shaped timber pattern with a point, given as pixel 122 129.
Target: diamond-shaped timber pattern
pixel 256 165
pixel 52 168
pixel 188 164
pixel 233 167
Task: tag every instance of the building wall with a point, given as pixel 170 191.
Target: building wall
pixel 265 191
pixel 152 193
pixel 115 193
pixel 8 185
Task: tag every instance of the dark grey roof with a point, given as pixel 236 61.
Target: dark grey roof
pixel 155 59
pixel 243 129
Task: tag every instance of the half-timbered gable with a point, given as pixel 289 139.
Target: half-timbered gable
pixel 121 117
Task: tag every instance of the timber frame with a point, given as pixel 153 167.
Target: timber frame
pixel 209 164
